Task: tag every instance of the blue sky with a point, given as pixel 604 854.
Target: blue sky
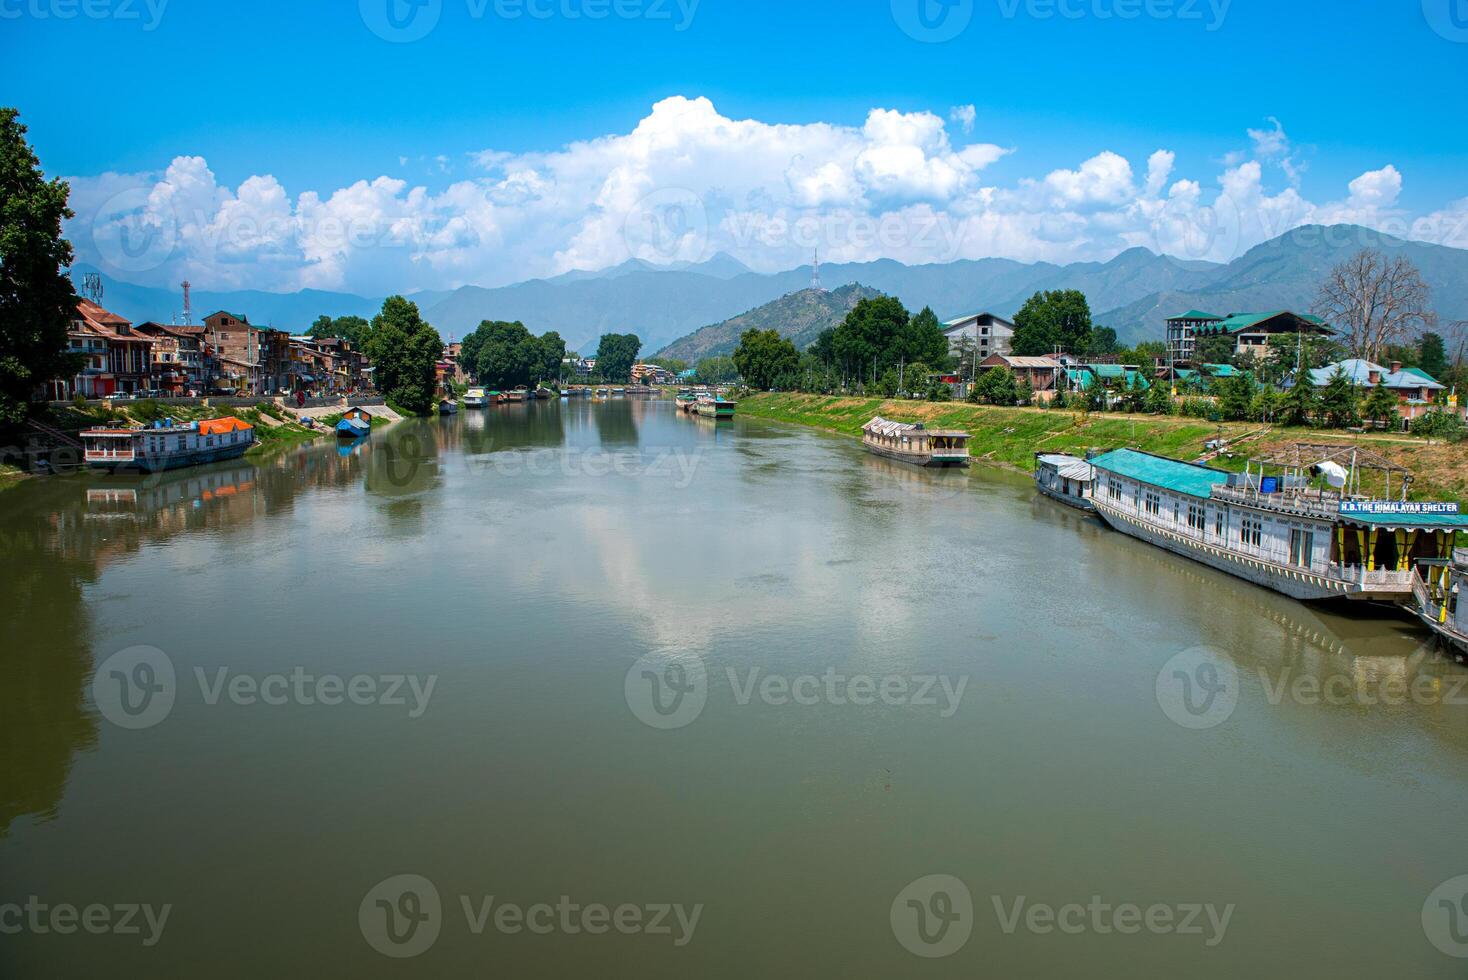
pixel 309 95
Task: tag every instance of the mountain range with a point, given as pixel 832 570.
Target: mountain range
pixel 1132 292
pixel 799 316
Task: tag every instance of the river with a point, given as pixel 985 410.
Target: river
pixel 604 690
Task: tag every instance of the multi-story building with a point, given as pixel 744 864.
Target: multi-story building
pixel 117 360
pixel 1249 332
pixel 264 351
pixel 990 334
pixel 179 357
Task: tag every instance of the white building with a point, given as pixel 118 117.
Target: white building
pixel 991 334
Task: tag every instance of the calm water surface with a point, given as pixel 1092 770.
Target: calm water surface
pixel 553 568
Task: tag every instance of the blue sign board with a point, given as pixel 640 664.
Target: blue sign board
pixel 1395 508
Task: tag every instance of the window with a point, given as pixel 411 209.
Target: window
pixel 1302 547
pixel 1251 532
pixel 1153 504
pixel 1218 524
pixel 1197 517
pixel 1113 489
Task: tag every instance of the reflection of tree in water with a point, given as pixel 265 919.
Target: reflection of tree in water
pixel 45 661
pixel 56 537
pixel 536 425
pixel 615 423
pixel 402 466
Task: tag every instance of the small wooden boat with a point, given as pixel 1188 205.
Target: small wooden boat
pixel 1068 479
pixel 544 394
pixel 355 423
pixel 475 398
pixel 684 401
pixel 497 398
pixel 619 391
pixel 915 443
pixel 448 407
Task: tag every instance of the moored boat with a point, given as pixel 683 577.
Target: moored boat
pixel 448 406
pixel 913 442
pixel 1438 591
pixel 354 424
pixel 475 398
pixel 543 394
pixel 165 445
pixel 1307 531
pixel 520 394
pixel 684 401
pixel 1065 478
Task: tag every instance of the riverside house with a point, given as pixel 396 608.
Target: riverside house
pixel 1415 389
pixel 115 358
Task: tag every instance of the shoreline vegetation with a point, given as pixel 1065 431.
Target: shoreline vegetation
pixel 1010 437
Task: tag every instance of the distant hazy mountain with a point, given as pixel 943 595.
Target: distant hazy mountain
pixel 799 316
pixel 1132 292
pixel 1286 274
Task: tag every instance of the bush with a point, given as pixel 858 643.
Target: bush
pixel 1438 424
pixel 1201 408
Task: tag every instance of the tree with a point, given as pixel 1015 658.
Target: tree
pixel 763 356
pixel 353 329
pixel 1375 301
pixel 674 364
pixel 1433 356
pixel 1059 318
pixel 1381 406
pixel 37 301
pixel 716 370
pixel 405 351
pixel 616 354
pixel 1159 399
pixel 1235 397
pixel 923 340
pixel 552 351
pixel 1300 402
pixel 1135 397
pixel 1267 405
pixel 867 341
pixel 1214 349
pixel 996 386
pixel 966 352
pixel 1103 342
pixel 1340 401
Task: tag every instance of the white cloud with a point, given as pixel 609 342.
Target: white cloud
pixel 686 182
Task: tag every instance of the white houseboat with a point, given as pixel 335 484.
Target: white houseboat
pixel 1308 531
pixel 1067 479
pixel 914 443
pixel 165 446
pixel 1439 593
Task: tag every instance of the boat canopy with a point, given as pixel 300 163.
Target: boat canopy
pixel 888 428
pixel 1069 467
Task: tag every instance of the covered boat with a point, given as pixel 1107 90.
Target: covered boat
pixel 913 442
pixel 355 423
pixel 1307 530
pixel 1065 478
pixel 165 445
pixel 475 398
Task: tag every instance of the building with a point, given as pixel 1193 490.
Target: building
pixel 1250 332
pixel 1040 372
pixel 115 358
pixel 1200 377
pixel 256 359
pixel 180 361
pixel 1415 389
pixel 651 374
pixel 990 334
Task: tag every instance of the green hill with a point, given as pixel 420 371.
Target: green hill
pixel 799 316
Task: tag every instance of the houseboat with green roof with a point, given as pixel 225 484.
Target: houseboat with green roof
pixel 1306 529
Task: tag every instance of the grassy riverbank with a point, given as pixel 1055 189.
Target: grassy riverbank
pixel 1011 436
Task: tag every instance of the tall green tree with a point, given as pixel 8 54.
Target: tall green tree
pixel 37 300
pixel 1103 342
pixel 353 329
pixel 1381 406
pixel 1300 404
pixel 996 386
pixel 763 356
pixel 923 340
pixel 1055 318
pixel 1340 401
pixel 868 339
pixel 716 370
pixel 1214 349
pixel 405 350
pixel 1235 397
pixel 1433 356
pixel 616 354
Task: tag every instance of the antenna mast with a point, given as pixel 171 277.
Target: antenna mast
pixel 188 313
pixel 92 287
pixel 815 272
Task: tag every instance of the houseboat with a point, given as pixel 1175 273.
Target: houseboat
pixel 684 401
pixel 520 394
pixel 544 394
pixel 1439 589
pixel 1306 529
pixel 915 443
pixel 475 398
pixel 448 406
pixel 1067 479
pixel 165 445
pixel 355 423
pixel 714 407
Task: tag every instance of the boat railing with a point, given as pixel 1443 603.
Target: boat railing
pixel 1305 503
pixel 1376 579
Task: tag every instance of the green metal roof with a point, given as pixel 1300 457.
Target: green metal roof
pixel 1221 370
pixel 1420 373
pixel 1170 474
pixel 1195 315
pixel 1243 321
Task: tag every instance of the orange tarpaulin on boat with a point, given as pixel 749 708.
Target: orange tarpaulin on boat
pixel 214 427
